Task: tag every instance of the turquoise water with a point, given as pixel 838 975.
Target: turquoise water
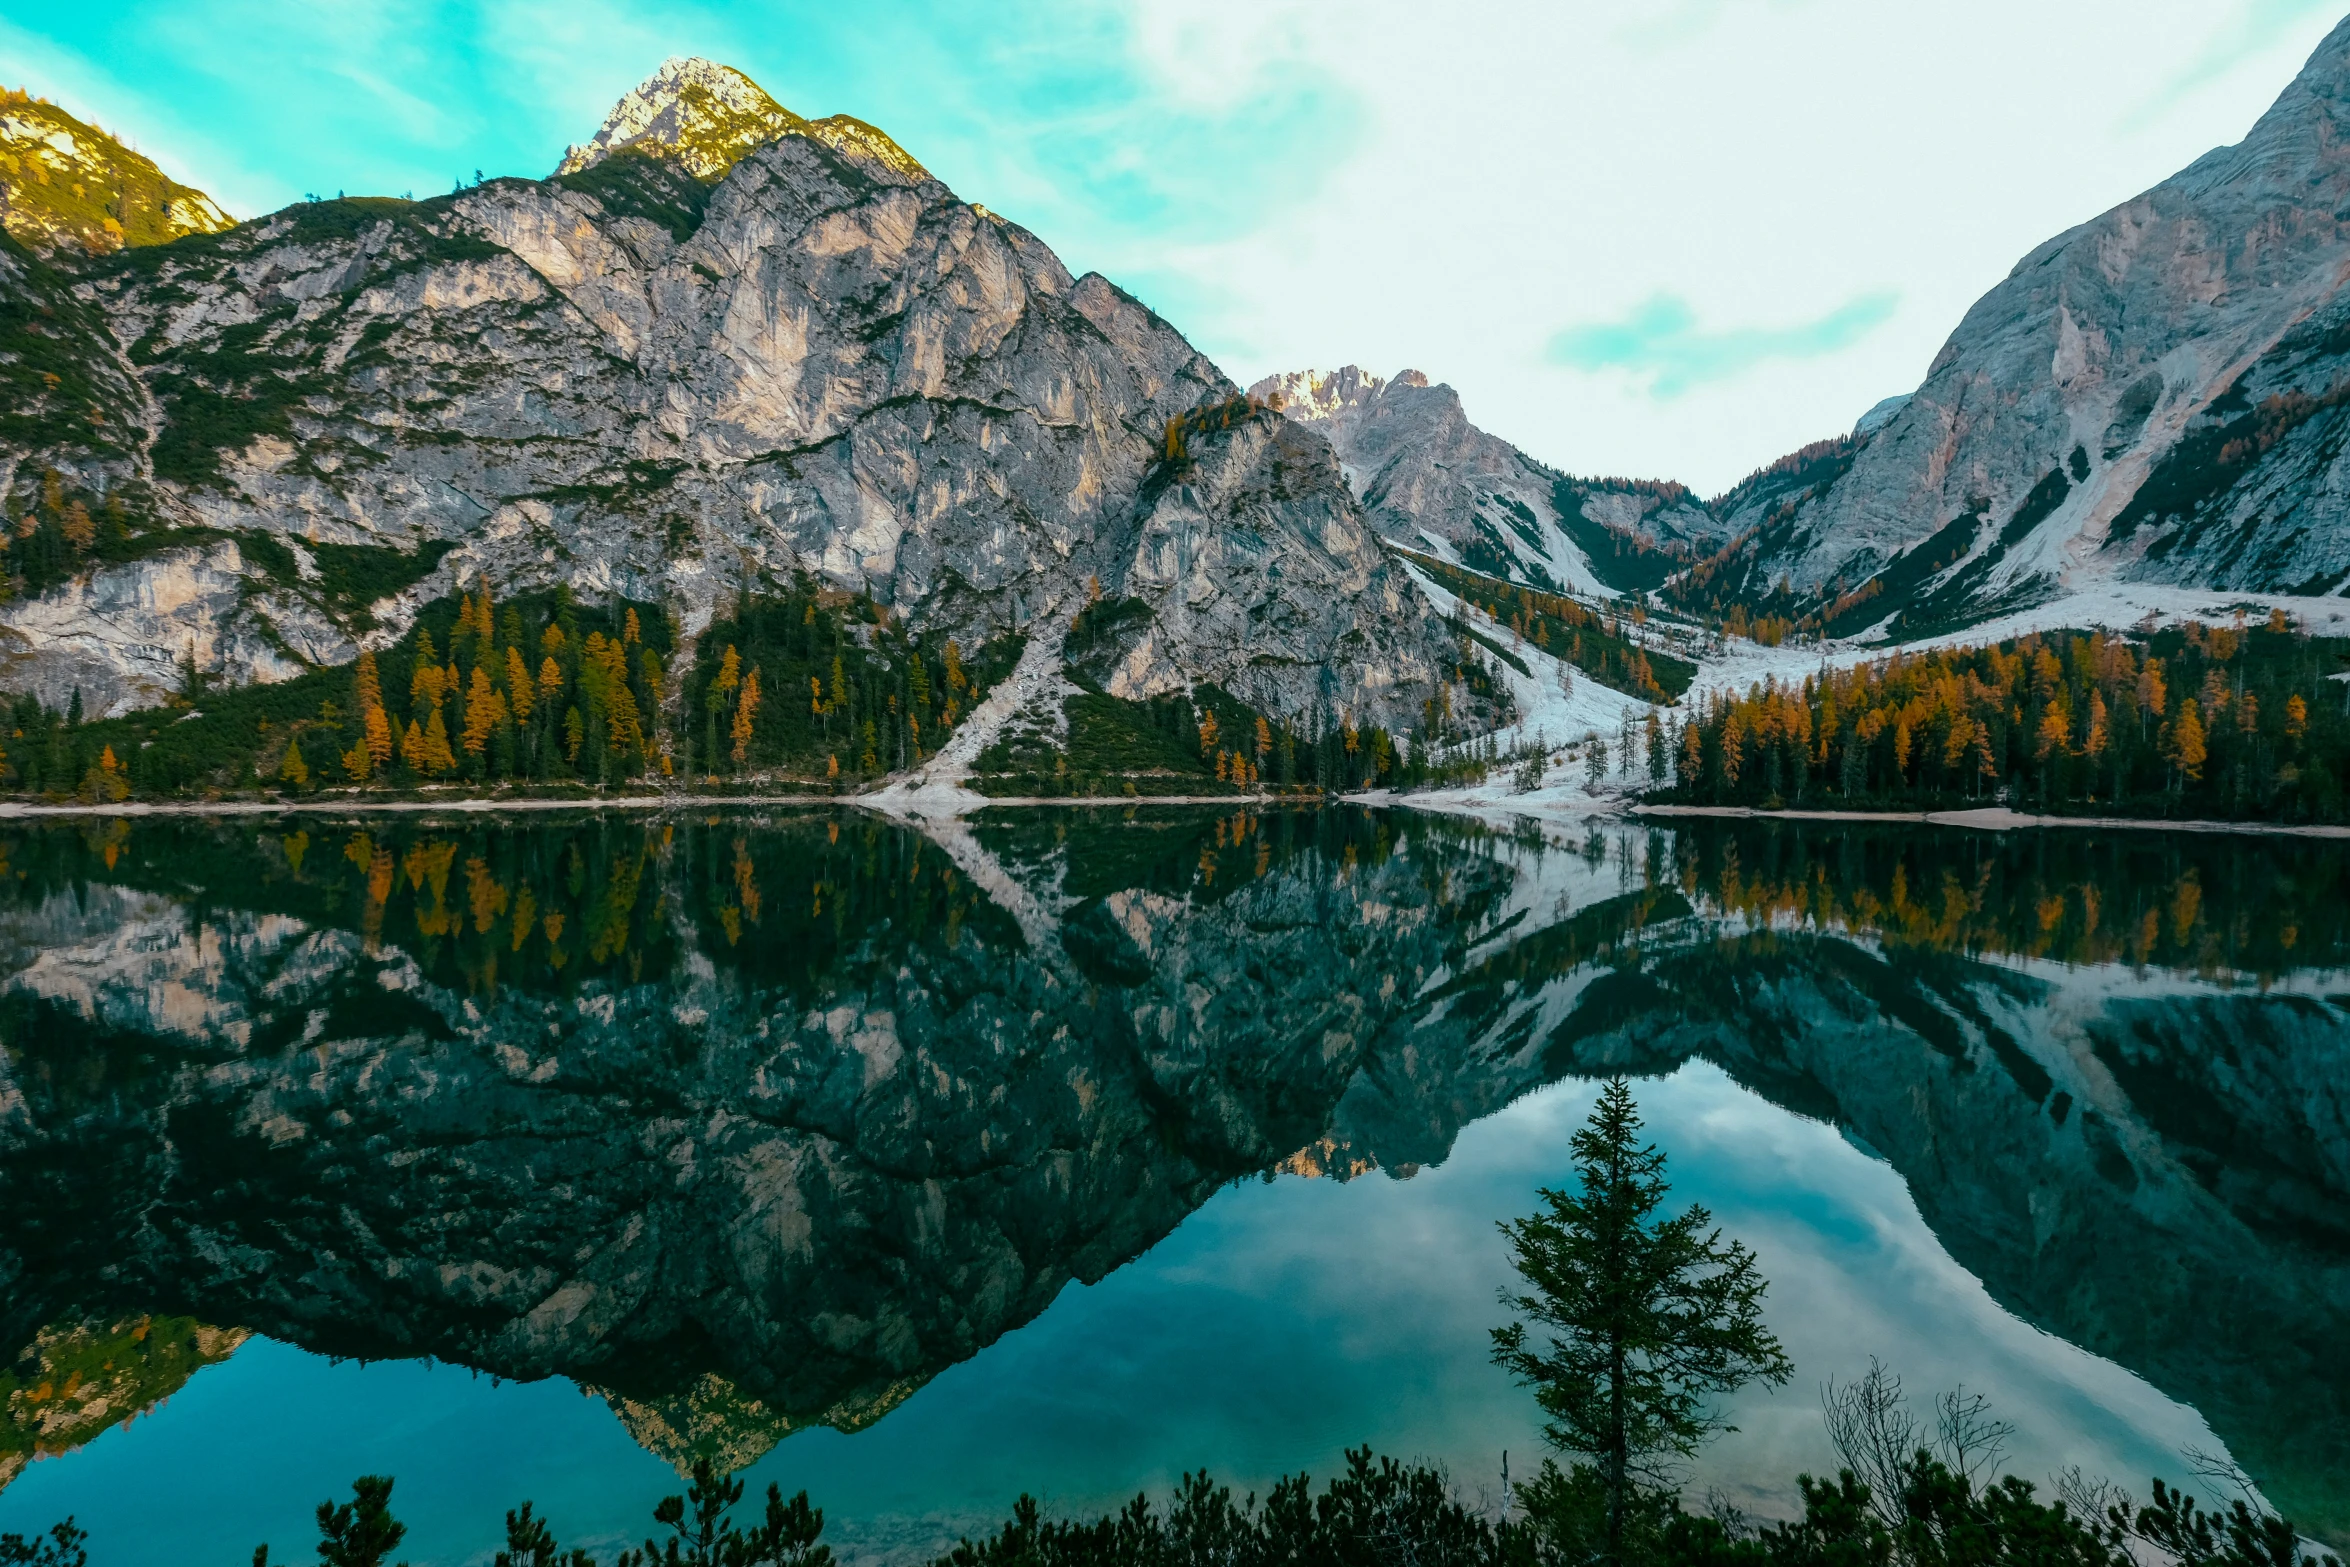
pixel 1866 1104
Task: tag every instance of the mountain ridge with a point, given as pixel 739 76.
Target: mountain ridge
pixel 2147 397
pixel 708 117
pixel 638 381
pixel 67 183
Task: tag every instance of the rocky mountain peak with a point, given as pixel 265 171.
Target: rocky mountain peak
pixel 707 116
pixel 66 184
pixel 1320 394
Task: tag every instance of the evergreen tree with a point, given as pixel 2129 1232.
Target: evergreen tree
pixel 530 1543
pixel 1642 1317
pixel 703 1534
pixel 61 1546
pixel 362 1531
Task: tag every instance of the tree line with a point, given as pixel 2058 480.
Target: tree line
pixel 539 688
pixel 2184 721
pixel 821 684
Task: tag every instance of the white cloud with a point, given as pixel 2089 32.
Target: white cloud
pixel 1534 166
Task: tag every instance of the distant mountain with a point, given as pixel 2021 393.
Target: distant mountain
pixel 724 344
pixel 2157 395
pixel 67 185
pixel 1431 480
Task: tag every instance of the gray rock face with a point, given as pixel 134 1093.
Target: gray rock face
pixel 1257 564
pixel 2154 395
pixel 629 379
pixel 1431 480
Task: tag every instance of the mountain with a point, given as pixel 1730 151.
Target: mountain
pixel 1431 480
pixel 2155 396
pixel 706 117
pixel 69 186
pixel 722 346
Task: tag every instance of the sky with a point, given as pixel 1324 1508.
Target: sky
pixel 1660 238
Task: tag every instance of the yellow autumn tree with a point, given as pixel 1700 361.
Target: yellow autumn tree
pixel 2188 750
pixel 518 691
pixel 484 707
pixel 375 727
pixel 424 685
pixel 746 709
pixel 106 783
pixel 437 756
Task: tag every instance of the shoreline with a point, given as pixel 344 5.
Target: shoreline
pixel 932 806
pixel 880 800
pixel 2000 818
pixel 22 810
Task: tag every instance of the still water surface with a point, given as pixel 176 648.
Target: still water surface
pixel 1069 1151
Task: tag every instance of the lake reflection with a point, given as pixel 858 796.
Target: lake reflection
pixel 767 1126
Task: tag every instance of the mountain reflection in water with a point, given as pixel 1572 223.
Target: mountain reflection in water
pixel 755 1123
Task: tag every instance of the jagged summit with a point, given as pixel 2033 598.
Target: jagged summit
pixel 707 116
pixel 65 183
pixel 1321 394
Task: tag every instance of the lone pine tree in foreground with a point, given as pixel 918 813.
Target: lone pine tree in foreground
pixel 1641 1318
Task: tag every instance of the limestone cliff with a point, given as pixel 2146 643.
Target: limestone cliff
pixel 2155 395
pixel 723 344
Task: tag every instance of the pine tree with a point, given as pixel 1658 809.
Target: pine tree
pixel 1643 1316
pixel 703 1534
pixel 530 1543
pixel 293 769
pixel 728 679
pixel 361 1532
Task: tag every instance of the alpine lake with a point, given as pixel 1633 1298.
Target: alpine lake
pixel 1064 1151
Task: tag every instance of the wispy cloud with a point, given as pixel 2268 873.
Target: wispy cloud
pixel 1132 124
pixel 2256 27
pixel 1661 344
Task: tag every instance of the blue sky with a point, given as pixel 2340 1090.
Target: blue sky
pixel 1671 237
